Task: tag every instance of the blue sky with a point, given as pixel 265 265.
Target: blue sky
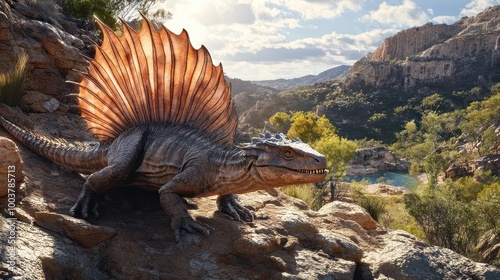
pixel 270 39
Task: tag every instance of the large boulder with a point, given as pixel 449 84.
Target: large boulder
pixel 404 257
pixel 11 168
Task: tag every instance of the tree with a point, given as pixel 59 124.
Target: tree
pixel 320 133
pixel 481 122
pixel 445 219
pixel 338 152
pixel 86 9
pixel 110 11
pixel 432 102
pixel 433 165
pixel 281 121
pixel 308 127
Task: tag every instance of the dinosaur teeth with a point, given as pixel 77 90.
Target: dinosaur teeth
pixel 315 171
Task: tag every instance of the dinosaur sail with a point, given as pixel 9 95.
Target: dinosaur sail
pixel 154 76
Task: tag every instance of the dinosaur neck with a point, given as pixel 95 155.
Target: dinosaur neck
pixel 236 172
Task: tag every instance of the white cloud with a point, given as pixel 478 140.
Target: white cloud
pixel 444 19
pixel 304 56
pixel 311 9
pixel 477 6
pixel 268 39
pixel 408 14
pixel 251 28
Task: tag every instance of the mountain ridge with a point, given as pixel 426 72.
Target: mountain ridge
pixel 285 84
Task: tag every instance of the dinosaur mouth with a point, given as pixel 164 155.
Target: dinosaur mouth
pixel 312 172
pixel 320 171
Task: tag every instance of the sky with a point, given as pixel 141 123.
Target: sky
pixel 271 39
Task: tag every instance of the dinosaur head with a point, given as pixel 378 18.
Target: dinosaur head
pixel 279 161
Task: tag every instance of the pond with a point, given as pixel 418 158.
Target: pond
pixel 397 179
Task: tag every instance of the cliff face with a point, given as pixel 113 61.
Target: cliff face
pixel 51 40
pixel 461 55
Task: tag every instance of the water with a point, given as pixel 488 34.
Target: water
pixel 396 179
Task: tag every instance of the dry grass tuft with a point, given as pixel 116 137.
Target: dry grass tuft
pixel 11 83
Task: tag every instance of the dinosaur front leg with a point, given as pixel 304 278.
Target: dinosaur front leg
pixel 173 203
pixel 124 157
pixel 230 205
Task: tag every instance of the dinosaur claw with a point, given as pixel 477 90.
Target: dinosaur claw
pixel 190 225
pixel 229 205
pixel 85 205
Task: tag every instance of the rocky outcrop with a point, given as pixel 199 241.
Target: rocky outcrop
pixel 51 40
pixel 458 55
pixel 457 171
pixel 374 160
pixel 489 163
pixel 405 257
pixel 133 240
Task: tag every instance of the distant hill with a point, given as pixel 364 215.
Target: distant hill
pixel 240 86
pixel 284 84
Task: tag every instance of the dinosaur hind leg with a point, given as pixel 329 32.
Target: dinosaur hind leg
pixel 124 156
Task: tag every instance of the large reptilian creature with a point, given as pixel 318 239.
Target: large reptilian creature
pixel 165 121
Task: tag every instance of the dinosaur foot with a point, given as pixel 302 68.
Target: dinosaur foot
pixel 230 205
pixel 87 204
pixel 190 225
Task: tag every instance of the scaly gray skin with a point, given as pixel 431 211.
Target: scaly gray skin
pixel 179 161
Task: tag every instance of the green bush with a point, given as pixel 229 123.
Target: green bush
pixel 445 221
pixel 11 84
pixel 456 215
pixel 397 217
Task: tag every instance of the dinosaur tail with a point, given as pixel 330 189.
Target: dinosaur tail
pixel 81 157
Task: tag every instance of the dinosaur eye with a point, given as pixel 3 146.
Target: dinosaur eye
pixel 288 155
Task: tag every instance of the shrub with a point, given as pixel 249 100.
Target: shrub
pixel 373 204
pixel 11 84
pixel 446 220
pixel 397 217
pixel 303 192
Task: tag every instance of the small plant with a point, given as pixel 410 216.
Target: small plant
pixel 373 204
pixel 303 192
pixel 11 83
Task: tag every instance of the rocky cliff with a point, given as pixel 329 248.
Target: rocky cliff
pixel 459 55
pixel 52 41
